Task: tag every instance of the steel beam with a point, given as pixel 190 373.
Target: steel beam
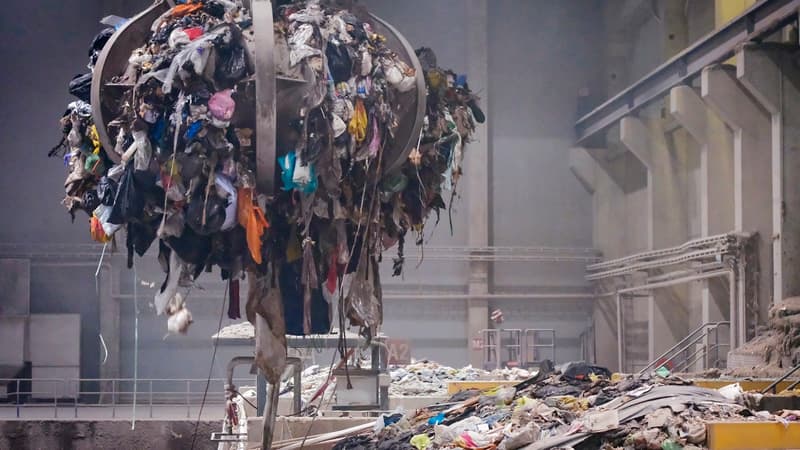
pixel 760 20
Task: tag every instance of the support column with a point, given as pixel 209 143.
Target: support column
pixel 716 186
pixel 477 164
pixel 752 175
pixel 667 224
pixel 608 201
pixel 769 73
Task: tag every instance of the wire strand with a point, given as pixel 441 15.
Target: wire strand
pixel 211 367
pixel 135 343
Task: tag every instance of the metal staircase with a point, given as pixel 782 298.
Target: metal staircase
pixel 700 346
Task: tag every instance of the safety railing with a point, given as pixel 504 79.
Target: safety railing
pixel 66 397
pixel 540 344
pixel 773 387
pixel 696 346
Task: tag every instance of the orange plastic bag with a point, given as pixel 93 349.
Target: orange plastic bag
pixel 252 218
pixel 97 232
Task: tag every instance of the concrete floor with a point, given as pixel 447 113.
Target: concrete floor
pixel 118 435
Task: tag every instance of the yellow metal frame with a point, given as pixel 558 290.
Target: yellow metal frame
pixel 753 435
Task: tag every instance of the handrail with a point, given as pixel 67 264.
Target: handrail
pixel 773 386
pixel 690 339
pixel 58 390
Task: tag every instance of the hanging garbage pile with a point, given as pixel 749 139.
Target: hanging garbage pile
pixel 170 155
pixel 582 408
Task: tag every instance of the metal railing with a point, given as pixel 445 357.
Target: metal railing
pixel 170 395
pixel 538 341
pixel 773 387
pixel 692 348
pixel 523 348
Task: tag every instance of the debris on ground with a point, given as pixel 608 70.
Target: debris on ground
pixel 778 345
pixel 560 411
pixel 423 378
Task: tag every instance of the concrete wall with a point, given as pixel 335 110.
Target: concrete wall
pixel 43 47
pixel 86 435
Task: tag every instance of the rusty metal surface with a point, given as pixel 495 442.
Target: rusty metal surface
pixel 112 62
pixel 265 96
pixel 410 109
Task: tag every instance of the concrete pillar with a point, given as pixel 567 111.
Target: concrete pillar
pixel 715 142
pixel 667 224
pixel 771 75
pixel 582 165
pixel 586 168
pixel 477 164
pixel 752 174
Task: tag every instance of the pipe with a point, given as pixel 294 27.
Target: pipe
pixel 698 269
pixel 297 371
pixel 273 391
pixel 676 281
pixel 619 333
pixel 732 289
pixel 235 362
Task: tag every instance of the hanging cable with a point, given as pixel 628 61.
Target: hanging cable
pixel 211 367
pixel 135 342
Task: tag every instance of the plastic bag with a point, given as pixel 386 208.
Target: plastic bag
pixel 252 218
pixel 103 212
pixel 224 185
pixel 98 43
pixel 178 38
pixel 287 164
pixel 339 62
pixel 338 125
pixel 129 201
pixel 179 321
pixel 231 66
pixel 358 124
pixel 90 200
pixel 221 106
pixel 304 177
pixel 96 230
pixel 366 63
pixel 81 86
pixel 363 303
pixel 298 49
pixel 141 151
pixel 205 215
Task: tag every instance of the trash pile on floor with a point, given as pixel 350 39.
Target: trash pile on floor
pixel 430 378
pixel 182 167
pixel 778 345
pixel 423 378
pixel 583 408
